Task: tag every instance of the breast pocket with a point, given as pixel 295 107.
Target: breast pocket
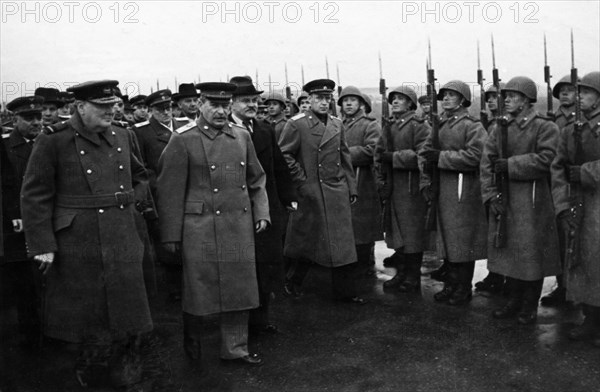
pixel 63 222
pixel 194 207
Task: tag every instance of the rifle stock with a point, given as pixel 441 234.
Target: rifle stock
pixel 432 209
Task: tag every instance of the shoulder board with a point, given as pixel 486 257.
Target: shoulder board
pixel 5 135
pixel 419 119
pixel 185 127
pixel 334 117
pixel 143 123
pixel 298 116
pixel 120 124
pixel 182 119
pixel 55 128
pixel 474 119
pixel 235 125
pixel 544 117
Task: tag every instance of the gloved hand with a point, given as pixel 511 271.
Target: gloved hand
pixel 431 156
pixel 496 207
pixel 427 194
pixel 501 166
pixel 172 247
pixel 574 174
pixel 387 157
pixel 567 222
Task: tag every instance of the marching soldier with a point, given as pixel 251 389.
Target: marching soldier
pixel 276 105
pixel 140 109
pixel 405 206
pixel 78 199
pixel 186 99
pixel 211 200
pixel 575 191
pixel 563 117
pixel 362 134
pixel 17 271
pixel 52 103
pixel 530 253
pixel 314 146
pixel 281 194
pixel 461 216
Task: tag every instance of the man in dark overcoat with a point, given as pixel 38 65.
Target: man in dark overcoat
pixel 281 193
pixel 314 145
pixel 19 274
pixel 78 205
pixel 211 200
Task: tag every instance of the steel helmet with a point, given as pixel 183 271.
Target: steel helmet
pixel 349 91
pixel 523 85
pixel 493 89
pixel 459 87
pixel 565 80
pixel 591 80
pixel 407 92
pixel 368 105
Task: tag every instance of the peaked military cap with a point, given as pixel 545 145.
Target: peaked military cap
pixel 66 97
pixel 50 95
pixel 138 99
pixel 26 105
pixel 158 97
pixel 424 99
pixel 216 91
pixel 101 92
pixel 244 86
pixel 319 86
pixel 185 90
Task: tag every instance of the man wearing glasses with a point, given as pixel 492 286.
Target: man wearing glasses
pixel 314 147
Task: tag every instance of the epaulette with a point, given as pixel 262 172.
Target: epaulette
pixel 544 117
pixel 55 128
pixel 419 119
pixel 232 124
pixel 298 116
pixel 186 127
pixel 182 119
pixel 334 117
pixel 141 124
pixel 474 119
pixel 120 124
pixel 5 135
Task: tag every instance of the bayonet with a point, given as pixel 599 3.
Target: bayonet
pixel 547 79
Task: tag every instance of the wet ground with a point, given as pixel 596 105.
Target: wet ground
pixel 396 342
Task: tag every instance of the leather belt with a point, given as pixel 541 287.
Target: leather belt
pixel 116 199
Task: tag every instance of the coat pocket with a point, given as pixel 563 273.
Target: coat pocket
pixel 194 207
pixel 62 222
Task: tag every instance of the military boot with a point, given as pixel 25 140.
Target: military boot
pixel 441 274
pixel 398 261
pixel 464 292
pixel 191 335
pixel 450 285
pixel 531 297
pixel 515 301
pixel 412 283
pixel 493 283
pixel 589 328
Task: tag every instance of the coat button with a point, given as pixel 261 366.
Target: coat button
pixel 218 212
pixel 338 164
pixel 242 163
pixel 113 133
pixel 205 127
pixel 121 187
pixel 122 207
pixel 82 152
pixel 245 209
pixel 119 149
pixel 338 149
pixel 320 165
pixel 213 167
pixel 101 211
pixel 216 190
pixel 89 171
pixel 243 186
pixel 319 150
pixel 120 167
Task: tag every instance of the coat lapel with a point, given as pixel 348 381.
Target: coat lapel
pixel 162 133
pixel 331 130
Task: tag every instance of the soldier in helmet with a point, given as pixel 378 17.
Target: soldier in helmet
pixel 531 253
pixel 303 102
pixel 576 175
pixel 563 117
pixel 398 183
pixel 362 134
pixel 276 105
pixel 461 215
pixel 368 104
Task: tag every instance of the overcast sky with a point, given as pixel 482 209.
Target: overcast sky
pixel 137 42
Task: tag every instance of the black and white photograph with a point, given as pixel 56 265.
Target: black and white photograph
pixel 300 196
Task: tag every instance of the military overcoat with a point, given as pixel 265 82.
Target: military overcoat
pixel 321 168
pixel 531 251
pixel 210 192
pixel 405 137
pixel 462 226
pixel 362 134
pixel 583 278
pixel 78 200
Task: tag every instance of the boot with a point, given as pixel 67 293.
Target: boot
pixel 531 296
pixel 450 285
pixel 558 296
pixel 515 301
pixel 441 274
pixel 464 292
pixel 191 335
pixel 398 261
pixel 412 283
pixel 589 327
pixel 492 283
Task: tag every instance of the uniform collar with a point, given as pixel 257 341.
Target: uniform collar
pixel 359 114
pixel 80 129
pixel 212 132
pixel 524 118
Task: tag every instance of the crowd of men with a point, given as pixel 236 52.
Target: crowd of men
pixel 232 194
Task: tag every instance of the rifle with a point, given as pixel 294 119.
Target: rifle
pixel 432 208
pixel 332 105
pixel 501 178
pixel 576 200
pixel 483 116
pixel 288 90
pixel 547 77
pixel 302 74
pixel 339 85
pixel 386 168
